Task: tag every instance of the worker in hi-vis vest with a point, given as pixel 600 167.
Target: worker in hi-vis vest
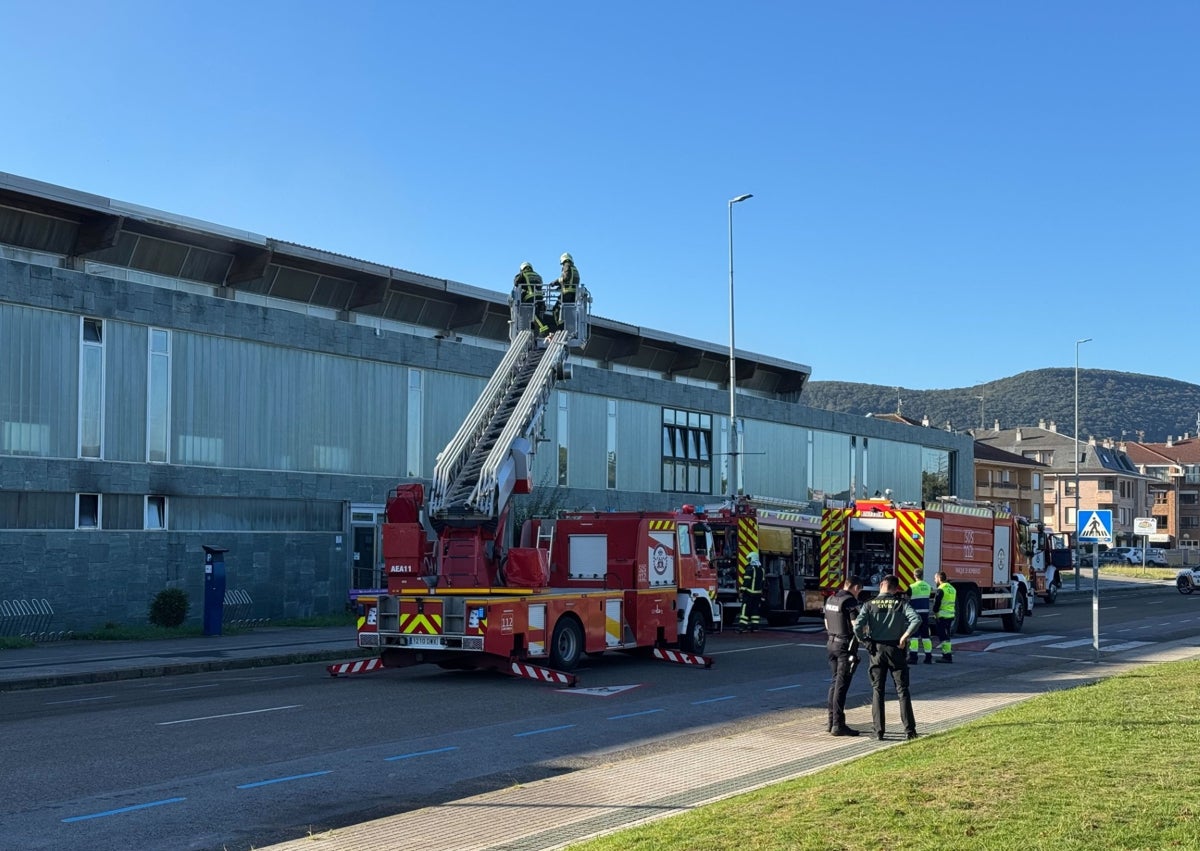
pixel 919 594
pixel 943 611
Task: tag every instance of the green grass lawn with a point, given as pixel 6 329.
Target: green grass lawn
pixel 1106 766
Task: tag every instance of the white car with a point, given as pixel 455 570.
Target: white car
pixel 1188 580
pixel 1133 555
pixel 1156 557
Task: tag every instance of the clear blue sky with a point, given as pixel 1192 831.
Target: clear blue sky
pixel 945 193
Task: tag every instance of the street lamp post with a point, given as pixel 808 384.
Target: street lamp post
pixel 735 443
pixel 1075 537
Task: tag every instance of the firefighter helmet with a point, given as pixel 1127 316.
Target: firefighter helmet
pixel 566 258
pixel 526 266
pixel 753 559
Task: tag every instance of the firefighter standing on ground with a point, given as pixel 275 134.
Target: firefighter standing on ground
pixel 918 597
pixel 527 284
pixel 885 625
pixel 752 591
pixel 567 287
pixel 840 611
pixel 943 612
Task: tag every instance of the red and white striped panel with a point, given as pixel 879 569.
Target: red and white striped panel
pixel 359 667
pixel 681 658
pixel 546 675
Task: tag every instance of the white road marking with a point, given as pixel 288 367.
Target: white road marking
pixel 1013 642
pixel 764 647
pixel 186 688
pixel 228 715
pixel 1079 642
pixel 78 700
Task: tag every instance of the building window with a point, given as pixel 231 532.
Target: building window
pixel 1037 481
pixel 1070 515
pixel 1069 487
pixel 158 397
pixel 562 429
pixel 415 420
pixel 91 389
pixel 87 511
pixel 1037 511
pixel 1190 522
pixel 156 512
pixel 686 451
pixel 611 441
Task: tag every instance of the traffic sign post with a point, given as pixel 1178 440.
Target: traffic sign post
pixel 1144 526
pixel 1095 528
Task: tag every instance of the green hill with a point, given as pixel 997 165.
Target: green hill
pixel 1120 405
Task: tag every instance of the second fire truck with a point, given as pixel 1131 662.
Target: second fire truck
pixel 998 563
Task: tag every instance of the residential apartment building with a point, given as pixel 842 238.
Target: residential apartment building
pixel 1107 478
pixel 1174 471
pixel 1006 478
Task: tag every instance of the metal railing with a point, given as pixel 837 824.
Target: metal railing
pixel 239 609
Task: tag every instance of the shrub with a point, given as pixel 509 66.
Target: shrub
pixel 169 608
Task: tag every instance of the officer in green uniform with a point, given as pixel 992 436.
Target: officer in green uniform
pixel 885 625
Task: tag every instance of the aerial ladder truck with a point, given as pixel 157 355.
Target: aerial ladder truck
pixel 458 595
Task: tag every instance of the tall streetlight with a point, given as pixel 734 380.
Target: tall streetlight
pixel 1075 537
pixel 735 472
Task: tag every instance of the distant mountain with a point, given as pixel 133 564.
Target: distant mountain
pixel 1111 404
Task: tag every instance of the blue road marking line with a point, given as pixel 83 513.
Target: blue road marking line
pixel 713 700
pixel 544 730
pixel 283 779
pixel 117 812
pixel 419 753
pixel 633 714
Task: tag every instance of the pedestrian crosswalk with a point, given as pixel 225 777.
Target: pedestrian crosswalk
pixel 1106 645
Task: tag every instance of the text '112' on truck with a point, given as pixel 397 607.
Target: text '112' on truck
pixel 460 596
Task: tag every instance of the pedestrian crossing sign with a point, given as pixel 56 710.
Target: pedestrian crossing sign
pixel 1095 527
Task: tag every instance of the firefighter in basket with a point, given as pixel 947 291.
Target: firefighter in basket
pixel 752 592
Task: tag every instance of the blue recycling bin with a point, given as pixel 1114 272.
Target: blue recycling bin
pixel 214 589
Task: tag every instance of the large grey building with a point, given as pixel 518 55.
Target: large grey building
pixel 167 383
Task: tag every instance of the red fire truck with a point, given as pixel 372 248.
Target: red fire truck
pixel 581 583
pixel 787 539
pixel 997 562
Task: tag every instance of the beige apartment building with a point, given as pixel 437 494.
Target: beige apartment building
pixel 1173 469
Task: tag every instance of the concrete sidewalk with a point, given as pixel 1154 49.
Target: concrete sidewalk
pixel 60 663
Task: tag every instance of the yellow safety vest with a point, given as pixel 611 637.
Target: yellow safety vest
pixel 946 609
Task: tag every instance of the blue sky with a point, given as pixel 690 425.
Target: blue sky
pixel 945 193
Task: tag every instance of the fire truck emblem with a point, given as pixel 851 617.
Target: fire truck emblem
pixel 660 560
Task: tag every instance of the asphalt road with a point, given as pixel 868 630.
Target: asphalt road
pixel 243 758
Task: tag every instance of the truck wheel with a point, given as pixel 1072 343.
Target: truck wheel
pixel 566 645
pixel 1051 595
pixel 696 637
pixel 968 610
pixel 1014 622
pixel 1184 584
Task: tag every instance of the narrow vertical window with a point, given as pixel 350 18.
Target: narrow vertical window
pixel 563 427
pixel 158 397
pixel 415 421
pixel 611 436
pixel 91 389
pixel 156 512
pixel 87 511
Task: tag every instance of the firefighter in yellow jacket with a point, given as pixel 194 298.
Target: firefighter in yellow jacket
pixel 752 592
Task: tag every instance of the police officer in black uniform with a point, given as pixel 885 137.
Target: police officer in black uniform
pixel 840 611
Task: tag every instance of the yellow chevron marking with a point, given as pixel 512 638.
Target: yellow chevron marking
pixel 421 624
